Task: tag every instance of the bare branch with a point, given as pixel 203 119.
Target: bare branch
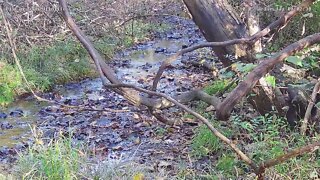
pixel 244 157
pixel 283 20
pixel 250 40
pixel 243 88
pixel 307 115
pixel 172 58
pixel 285 157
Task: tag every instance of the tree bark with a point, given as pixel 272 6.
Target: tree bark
pixel 219 22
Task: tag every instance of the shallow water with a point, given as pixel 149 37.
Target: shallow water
pixel 143 63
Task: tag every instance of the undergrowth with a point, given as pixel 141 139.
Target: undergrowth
pixel 65 158
pixel 262 138
pixel 59 159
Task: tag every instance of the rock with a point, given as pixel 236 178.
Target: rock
pixel 95 96
pixel 175 36
pixel 48 118
pixel 4 150
pixel 159 50
pixel 103 122
pixel 165 164
pixel 6 125
pixel 16 113
pixel 19 146
pixel 3 115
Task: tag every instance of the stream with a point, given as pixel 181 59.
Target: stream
pixel 112 134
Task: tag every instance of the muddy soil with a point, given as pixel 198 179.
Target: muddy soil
pixel 117 134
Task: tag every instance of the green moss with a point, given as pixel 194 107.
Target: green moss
pixel 216 87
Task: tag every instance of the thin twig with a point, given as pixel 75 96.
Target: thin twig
pixel 282 21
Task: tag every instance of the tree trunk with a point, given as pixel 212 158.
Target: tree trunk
pixel 219 22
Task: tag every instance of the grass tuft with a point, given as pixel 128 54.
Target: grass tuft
pixel 59 159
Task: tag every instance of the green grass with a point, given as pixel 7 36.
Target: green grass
pixel 9 80
pixel 63 61
pixel 63 159
pixel 59 63
pixel 59 159
pixel 204 143
pixel 267 137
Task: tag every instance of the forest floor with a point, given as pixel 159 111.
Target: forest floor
pixel 130 134
pixel 105 137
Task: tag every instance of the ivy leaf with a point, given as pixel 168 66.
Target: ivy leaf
pixel 295 60
pixel 271 80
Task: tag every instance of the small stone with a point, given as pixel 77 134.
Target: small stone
pixel 103 122
pixel 159 50
pixel 6 125
pixel 210 108
pixel 16 113
pixel 175 36
pixel 3 115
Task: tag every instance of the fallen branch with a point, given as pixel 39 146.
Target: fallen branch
pixel 282 21
pixel 307 115
pixel 106 72
pixel 242 156
pixel 280 159
pixel 224 109
pixel 167 101
pixel 18 64
pixel 172 58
